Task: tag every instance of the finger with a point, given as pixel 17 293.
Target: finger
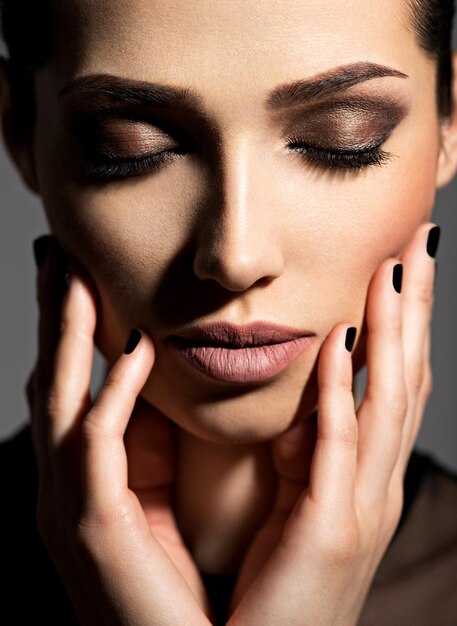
pixel 382 413
pixel 333 466
pixel 417 308
pixel 70 384
pixel 31 401
pixel 104 471
pixel 426 388
pixel 49 291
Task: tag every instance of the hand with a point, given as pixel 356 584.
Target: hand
pixel 313 561
pixel 103 509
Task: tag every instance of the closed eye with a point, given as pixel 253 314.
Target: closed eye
pixel 105 166
pixel 337 159
pixel 102 167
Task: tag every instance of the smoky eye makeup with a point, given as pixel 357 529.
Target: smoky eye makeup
pixel 129 138
pixel 348 124
pixel 346 134
pixel 124 136
pixel 338 134
pixel 119 145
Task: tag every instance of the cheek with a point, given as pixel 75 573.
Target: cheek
pixel 127 239
pixel 344 226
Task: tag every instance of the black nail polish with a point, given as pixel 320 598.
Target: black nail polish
pixel 40 249
pixel 433 240
pixel 133 341
pixel 62 268
pixel 397 277
pixel 350 338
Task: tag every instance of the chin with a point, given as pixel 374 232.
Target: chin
pixel 231 414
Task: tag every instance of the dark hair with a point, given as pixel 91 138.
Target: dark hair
pixel 432 21
pixel 28 27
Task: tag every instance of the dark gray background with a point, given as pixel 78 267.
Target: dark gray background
pixel 23 220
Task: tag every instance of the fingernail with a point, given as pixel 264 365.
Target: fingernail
pixel 132 341
pixel 433 240
pixel 397 277
pixel 63 269
pixel 350 338
pixel 40 249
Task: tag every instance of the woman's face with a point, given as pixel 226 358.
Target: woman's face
pixel 237 225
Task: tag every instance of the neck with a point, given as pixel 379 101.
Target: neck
pixel 223 493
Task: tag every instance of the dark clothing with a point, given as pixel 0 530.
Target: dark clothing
pixel 415 584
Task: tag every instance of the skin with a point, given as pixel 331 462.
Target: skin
pixel 175 209
pixel 235 217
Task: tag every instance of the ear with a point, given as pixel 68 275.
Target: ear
pixel 447 161
pixel 19 148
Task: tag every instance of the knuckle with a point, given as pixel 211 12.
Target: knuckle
pixel 346 552
pixel 345 434
pixel 414 376
pixel 397 413
pixel 348 434
pixel 85 533
pixel 53 403
pixel 340 550
pixel 425 294
pixel 95 520
pixel 397 404
pixel 93 429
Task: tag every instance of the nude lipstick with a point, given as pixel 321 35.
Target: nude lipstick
pixel 241 354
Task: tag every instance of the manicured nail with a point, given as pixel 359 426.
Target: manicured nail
pixel 40 249
pixel 350 338
pixel 433 240
pixel 132 341
pixel 62 268
pixel 397 277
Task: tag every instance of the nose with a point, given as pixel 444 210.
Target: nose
pixel 238 239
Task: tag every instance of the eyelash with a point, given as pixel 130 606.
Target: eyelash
pixel 115 167
pixel 334 160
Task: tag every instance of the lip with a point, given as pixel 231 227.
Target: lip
pixel 241 354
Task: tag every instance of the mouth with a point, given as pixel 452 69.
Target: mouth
pixel 240 354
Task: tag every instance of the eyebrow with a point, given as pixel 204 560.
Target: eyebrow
pixel 107 89
pixel 328 83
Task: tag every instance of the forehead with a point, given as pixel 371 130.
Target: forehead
pixel 236 37
pixel 233 49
